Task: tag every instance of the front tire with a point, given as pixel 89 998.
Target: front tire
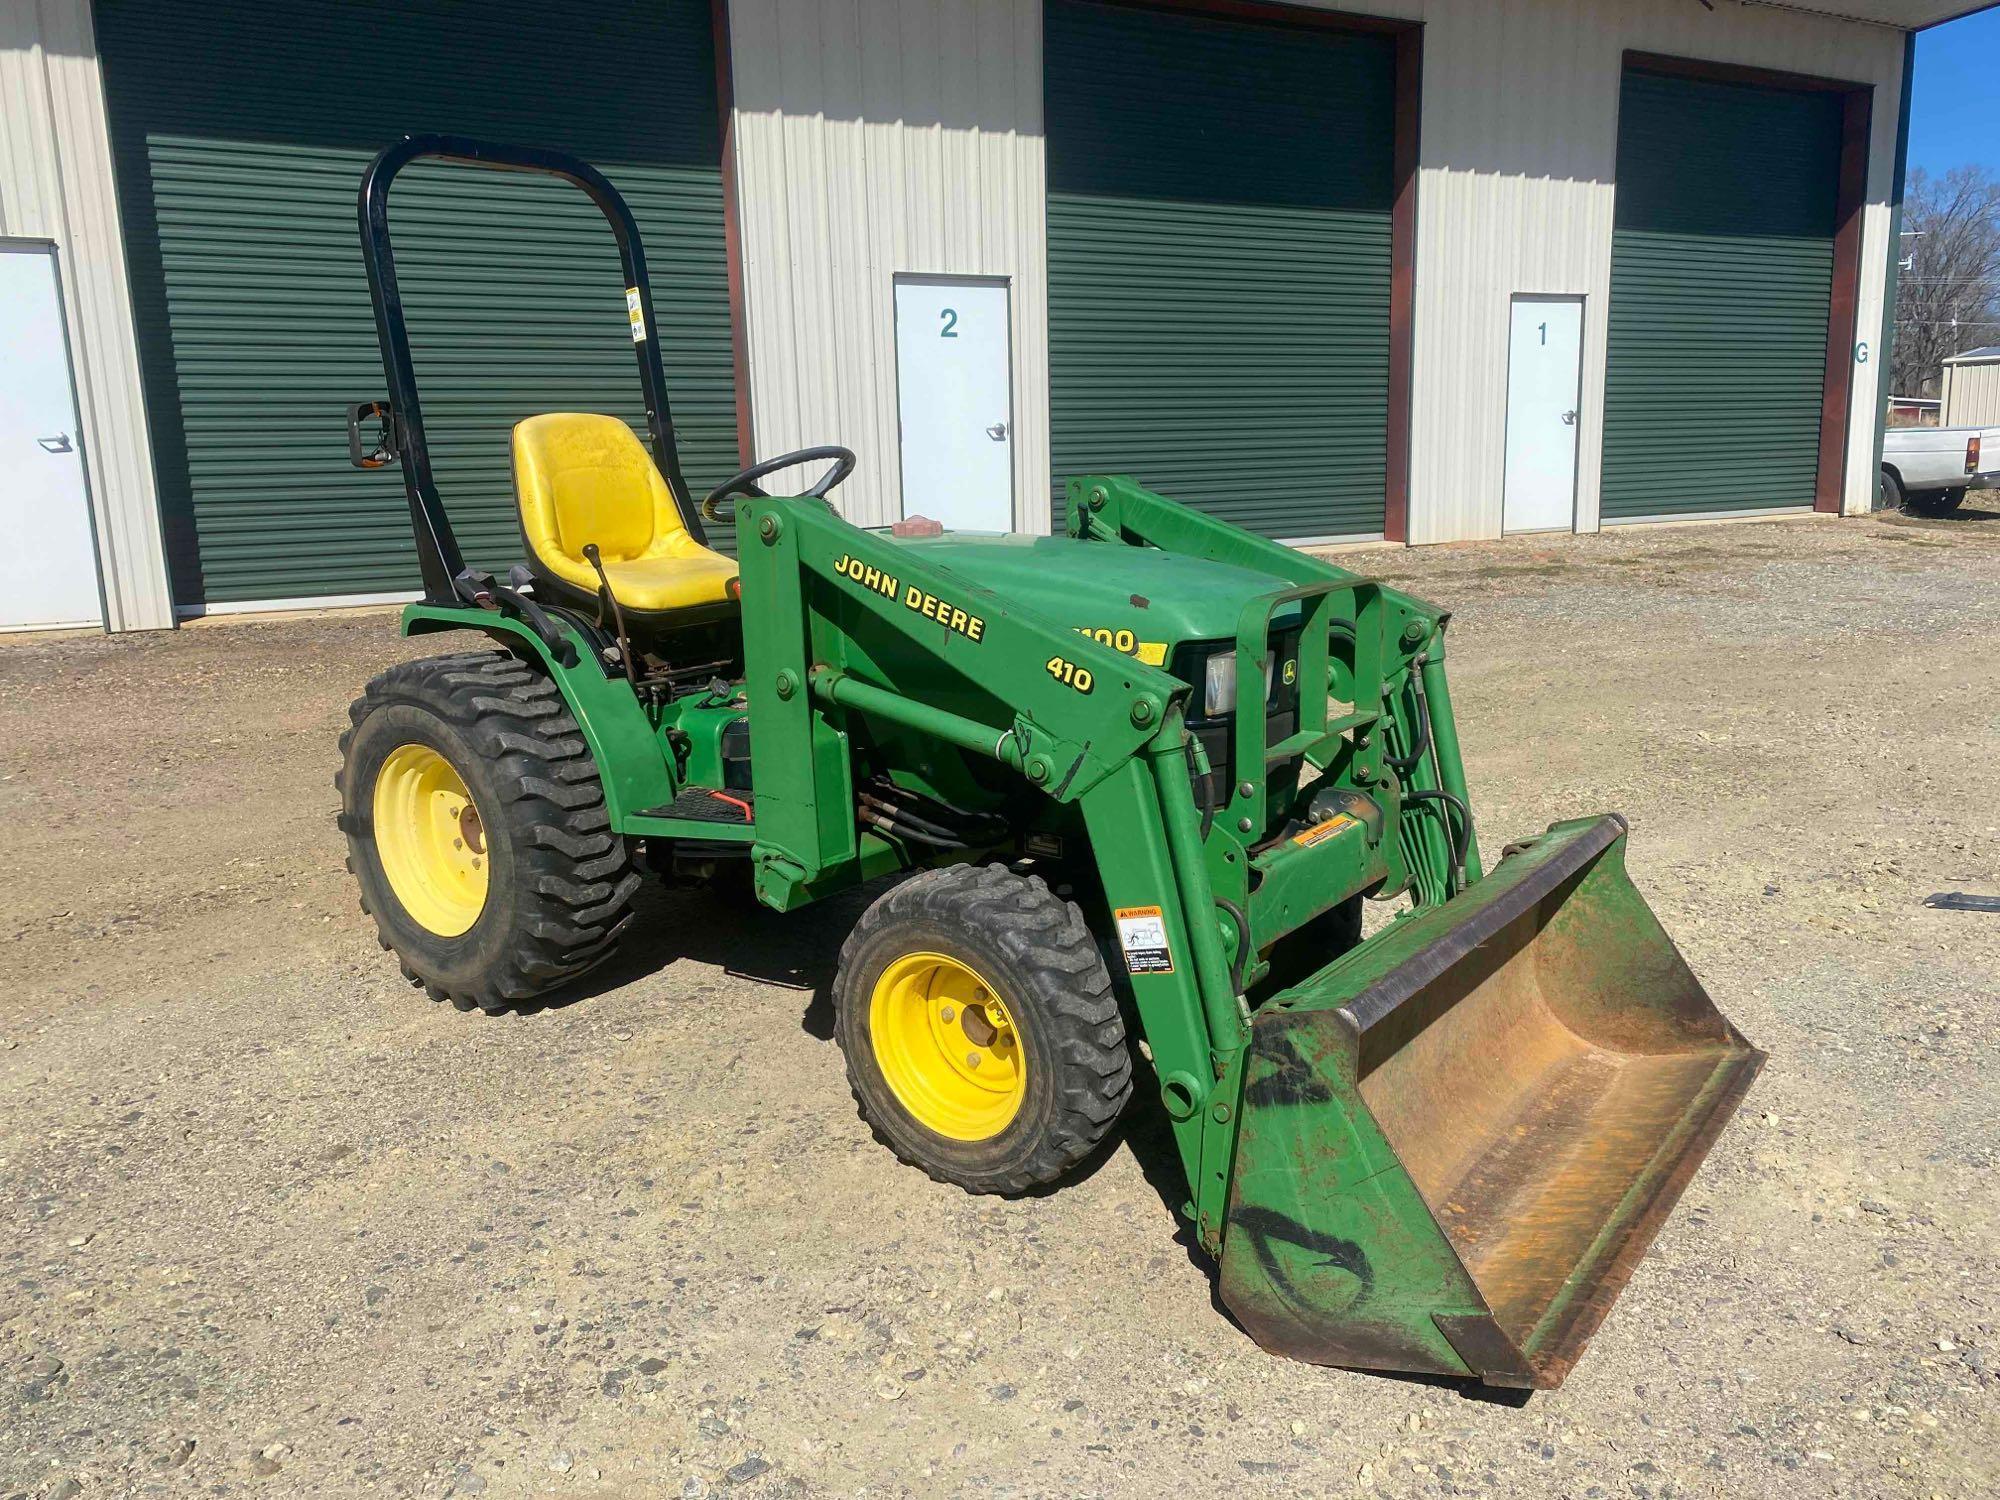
pixel 982 1038
pixel 477 831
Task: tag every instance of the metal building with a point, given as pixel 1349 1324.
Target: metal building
pixel 1972 388
pixel 1439 271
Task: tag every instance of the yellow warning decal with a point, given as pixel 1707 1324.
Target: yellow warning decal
pixel 1142 933
pixel 1152 653
pixel 636 314
pixel 1319 833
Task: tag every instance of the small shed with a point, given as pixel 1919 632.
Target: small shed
pixel 1972 388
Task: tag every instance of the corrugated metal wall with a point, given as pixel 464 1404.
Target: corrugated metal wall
pixel 871 137
pixel 1516 188
pixel 1218 296
pixel 877 135
pixel 1721 287
pixel 56 184
pixel 1972 395
pixel 874 136
pixel 238 169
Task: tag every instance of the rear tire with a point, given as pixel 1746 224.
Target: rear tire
pixel 1894 497
pixel 976 963
pixel 1935 502
pixel 538 888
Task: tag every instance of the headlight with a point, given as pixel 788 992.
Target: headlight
pixel 1219 695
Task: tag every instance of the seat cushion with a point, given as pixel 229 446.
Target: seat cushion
pixel 681 581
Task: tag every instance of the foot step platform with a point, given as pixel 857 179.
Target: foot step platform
pixel 700 804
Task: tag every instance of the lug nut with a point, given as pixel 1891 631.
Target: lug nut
pixel 947 1013
pixel 972 1059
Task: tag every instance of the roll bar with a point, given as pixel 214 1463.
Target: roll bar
pixel 446 578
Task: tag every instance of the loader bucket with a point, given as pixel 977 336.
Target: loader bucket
pixel 1457 1141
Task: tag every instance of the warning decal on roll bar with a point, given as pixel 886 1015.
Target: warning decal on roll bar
pixel 636 313
pixel 1142 933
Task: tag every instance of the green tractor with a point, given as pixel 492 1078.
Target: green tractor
pixel 1138 780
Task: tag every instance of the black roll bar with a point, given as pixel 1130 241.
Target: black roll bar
pixel 437 547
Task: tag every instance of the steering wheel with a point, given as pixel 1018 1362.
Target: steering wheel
pixel 745 481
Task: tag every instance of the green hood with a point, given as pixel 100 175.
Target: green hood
pixel 1160 598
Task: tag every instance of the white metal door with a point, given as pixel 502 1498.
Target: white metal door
pixel 48 564
pixel 954 400
pixel 1544 374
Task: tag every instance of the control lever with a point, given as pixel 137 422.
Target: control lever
pixel 596 559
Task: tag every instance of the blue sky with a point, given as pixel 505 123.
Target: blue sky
pixel 1952 118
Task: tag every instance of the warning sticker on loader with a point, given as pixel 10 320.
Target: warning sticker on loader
pixel 636 314
pixel 1142 933
pixel 1319 833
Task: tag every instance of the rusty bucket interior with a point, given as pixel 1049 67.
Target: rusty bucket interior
pixel 1549 1094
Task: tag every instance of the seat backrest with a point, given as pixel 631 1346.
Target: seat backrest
pixel 580 477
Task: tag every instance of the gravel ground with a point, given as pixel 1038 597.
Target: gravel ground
pixel 270 1223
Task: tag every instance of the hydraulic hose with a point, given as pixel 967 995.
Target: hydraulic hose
pixel 1402 765
pixel 1461 836
pixel 1204 778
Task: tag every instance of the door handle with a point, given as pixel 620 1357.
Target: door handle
pixel 58 444
pixel 1569 419
pixel 998 432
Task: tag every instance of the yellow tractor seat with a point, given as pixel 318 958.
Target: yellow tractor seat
pixel 581 478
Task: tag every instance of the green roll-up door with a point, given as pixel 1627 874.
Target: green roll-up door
pixel 239 134
pixel 1218 231
pixel 1721 286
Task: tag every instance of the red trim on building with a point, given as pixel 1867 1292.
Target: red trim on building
pixel 1837 400
pixel 1403 283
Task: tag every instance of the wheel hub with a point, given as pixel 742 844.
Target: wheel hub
pixel 430 839
pixel 947 1046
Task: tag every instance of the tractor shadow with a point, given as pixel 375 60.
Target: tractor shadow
pixel 726 928
pixel 800 951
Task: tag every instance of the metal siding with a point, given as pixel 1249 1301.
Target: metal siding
pixel 56 184
pixel 1219 296
pixel 1721 287
pixel 239 167
pixel 877 136
pixel 1972 395
pixel 1516 190
pixel 840 187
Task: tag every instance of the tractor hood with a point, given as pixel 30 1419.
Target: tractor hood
pixel 1147 601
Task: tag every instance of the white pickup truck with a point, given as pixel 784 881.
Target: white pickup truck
pixel 1929 469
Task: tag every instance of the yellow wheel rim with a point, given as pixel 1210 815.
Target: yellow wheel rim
pixel 430 839
pixel 947 1046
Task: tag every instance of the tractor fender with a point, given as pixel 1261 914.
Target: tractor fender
pixel 632 761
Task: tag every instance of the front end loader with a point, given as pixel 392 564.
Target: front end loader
pixel 1128 789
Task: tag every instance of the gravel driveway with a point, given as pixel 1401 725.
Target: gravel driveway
pixel 272 1224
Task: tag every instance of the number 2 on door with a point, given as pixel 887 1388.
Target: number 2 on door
pixel 949 317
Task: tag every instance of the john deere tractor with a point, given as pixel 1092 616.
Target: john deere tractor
pixel 1127 789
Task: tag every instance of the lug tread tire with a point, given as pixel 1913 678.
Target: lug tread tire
pixel 1053 975
pixel 573 878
